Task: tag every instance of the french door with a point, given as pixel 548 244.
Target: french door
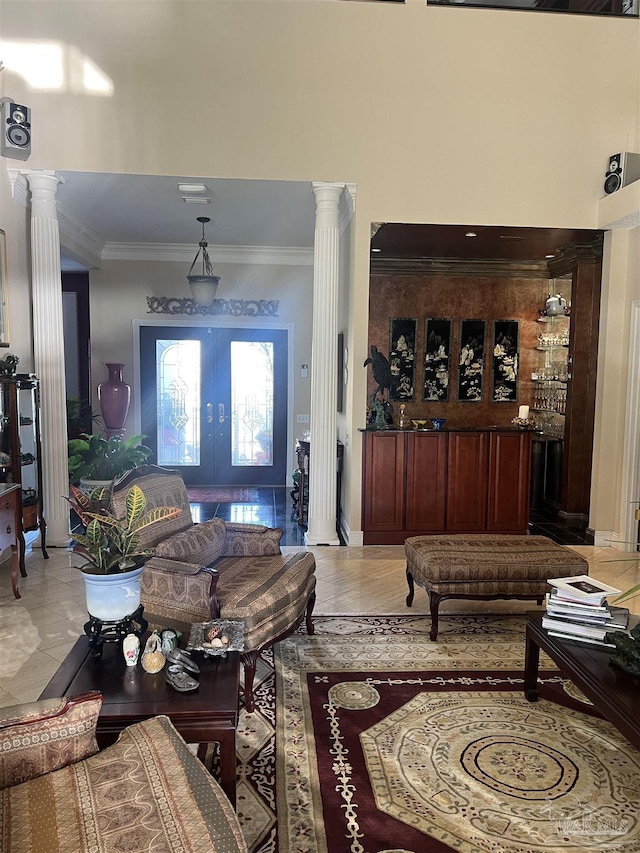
pixel 214 403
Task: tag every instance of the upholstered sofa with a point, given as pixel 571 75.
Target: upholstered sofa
pixel 219 569
pixel 146 792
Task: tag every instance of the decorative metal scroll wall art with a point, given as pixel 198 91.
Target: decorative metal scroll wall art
pixel 402 358
pixel 228 307
pixel 471 360
pixel 504 368
pixel 437 359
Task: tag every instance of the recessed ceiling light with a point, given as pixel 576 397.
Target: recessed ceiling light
pixel 549 256
pixel 192 188
pixel 471 234
pixel 195 199
pixel 376 250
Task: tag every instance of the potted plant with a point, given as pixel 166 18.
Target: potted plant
pixel 94 458
pixel 114 556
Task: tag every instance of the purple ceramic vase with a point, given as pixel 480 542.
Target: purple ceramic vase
pixel 114 396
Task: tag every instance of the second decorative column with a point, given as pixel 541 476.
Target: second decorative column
pixel 321 524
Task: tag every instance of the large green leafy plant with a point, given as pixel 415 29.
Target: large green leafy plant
pixel 109 544
pixel 92 457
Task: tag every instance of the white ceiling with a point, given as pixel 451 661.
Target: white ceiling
pixel 147 209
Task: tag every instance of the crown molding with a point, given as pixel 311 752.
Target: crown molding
pixel 348 207
pixel 183 253
pixel 455 266
pixel 19 186
pixel 78 240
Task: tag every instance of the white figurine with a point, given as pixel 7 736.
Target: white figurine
pixel 131 649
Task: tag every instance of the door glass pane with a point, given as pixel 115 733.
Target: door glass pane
pixel 251 403
pixel 178 395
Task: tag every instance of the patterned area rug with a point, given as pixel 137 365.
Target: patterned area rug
pixel 389 742
pixel 221 495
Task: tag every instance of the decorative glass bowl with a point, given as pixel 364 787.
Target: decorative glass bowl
pixel 438 423
pixel 419 423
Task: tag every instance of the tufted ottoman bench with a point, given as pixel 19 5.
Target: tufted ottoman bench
pixel 486 567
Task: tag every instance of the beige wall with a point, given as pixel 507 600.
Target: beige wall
pixel 439 115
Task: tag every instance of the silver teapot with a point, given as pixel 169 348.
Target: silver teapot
pixel 555 305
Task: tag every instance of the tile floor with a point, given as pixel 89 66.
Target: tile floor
pixel 37 631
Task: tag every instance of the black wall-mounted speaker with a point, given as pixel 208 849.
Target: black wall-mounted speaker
pixel 623 169
pixel 15 130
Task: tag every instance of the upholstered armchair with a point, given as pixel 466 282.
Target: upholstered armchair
pixel 60 794
pixel 219 569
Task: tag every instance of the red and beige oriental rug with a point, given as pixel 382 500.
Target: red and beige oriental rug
pixel 376 740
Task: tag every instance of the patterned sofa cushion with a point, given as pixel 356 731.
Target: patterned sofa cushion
pixel 269 593
pixel 201 544
pixel 39 737
pixel 177 591
pixel 159 490
pixel 251 540
pixel 145 792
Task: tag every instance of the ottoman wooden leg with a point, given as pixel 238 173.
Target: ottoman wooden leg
pixel 434 602
pixel 309 622
pixel 409 598
pixel 249 662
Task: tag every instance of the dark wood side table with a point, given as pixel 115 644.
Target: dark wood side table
pixel 614 693
pixel 10 528
pixel 206 715
pixel 303 452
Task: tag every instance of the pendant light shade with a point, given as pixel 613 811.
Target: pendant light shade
pixel 203 284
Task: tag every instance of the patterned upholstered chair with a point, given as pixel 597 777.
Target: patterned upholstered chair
pixel 220 569
pixel 59 794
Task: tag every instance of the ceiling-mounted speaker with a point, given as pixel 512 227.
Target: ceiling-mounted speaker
pixel 623 169
pixel 15 130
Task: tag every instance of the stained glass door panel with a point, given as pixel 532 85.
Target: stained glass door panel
pixel 214 403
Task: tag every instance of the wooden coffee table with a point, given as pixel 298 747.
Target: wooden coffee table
pixel 614 693
pixel 206 715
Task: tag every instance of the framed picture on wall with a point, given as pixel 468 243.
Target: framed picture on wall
pixel 504 365
pixel 402 357
pixel 471 361
pixel 437 359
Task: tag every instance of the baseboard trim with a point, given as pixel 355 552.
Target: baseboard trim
pixel 573 519
pixel 604 538
pixel 355 538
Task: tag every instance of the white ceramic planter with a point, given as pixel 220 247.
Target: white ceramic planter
pixel 88 486
pixel 112 597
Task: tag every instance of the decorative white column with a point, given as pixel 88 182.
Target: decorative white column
pixel 321 519
pixel 48 350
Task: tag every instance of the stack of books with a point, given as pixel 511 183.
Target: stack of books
pixel 577 609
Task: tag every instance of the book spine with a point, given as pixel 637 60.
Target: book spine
pixel 587 640
pixel 573 628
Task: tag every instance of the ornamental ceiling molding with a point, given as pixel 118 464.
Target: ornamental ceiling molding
pixel 183 253
pixel 219 308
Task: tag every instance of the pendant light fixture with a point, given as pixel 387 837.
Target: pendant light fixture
pixel 205 284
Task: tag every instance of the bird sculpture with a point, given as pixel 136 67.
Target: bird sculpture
pixel 381 370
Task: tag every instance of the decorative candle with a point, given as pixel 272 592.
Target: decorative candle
pixel 523 413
